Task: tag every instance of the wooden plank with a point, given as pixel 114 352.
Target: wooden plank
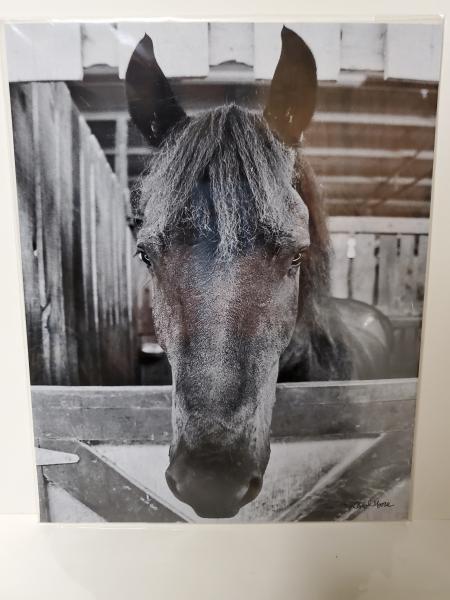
pixel 121 166
pixel 49 164
pixel 421 268
pixel 363 272
pixel 340 265
pixel 121 309
pixel 93 267
pixel 323 39
pixel 378 97
pixel 366 166
pixel 65 149
pixel 43 51
pixel 406 346
pixel 343 409
pixel 378 225
pixel 414 51
pixel 118 221
pixel 367 135
pixel 405 301
pixel 43 496
pixel 358 118
pixel 99 45
pixel 102 251
pixel 387 273
pixel 362 46
pixel 375 188
pixel 231 42
pixel 132 281
pixel 411 209
pixel 64 508
pixel 40 238
pixel 136 414
pixel 24 143
pixel 181 49
pixel 342 494
pixel 103 489
pixel 79 297
pixel 88 355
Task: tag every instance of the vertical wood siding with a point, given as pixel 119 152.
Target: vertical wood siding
pixel 76 246
pixel 381 261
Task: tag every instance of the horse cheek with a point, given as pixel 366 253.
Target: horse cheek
pixel 289 309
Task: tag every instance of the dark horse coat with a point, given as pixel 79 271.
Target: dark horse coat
pixel 235 238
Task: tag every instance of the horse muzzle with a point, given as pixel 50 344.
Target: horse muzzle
pixel 214 485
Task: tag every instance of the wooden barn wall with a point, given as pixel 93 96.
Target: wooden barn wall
pixel 371 146
pixel 76 246
pixel 381 261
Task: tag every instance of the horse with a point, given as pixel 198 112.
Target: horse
pixel 232 229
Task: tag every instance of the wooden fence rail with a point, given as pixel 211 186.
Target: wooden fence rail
pixel 129 414
pixel 76 246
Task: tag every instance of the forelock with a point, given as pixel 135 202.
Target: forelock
pixel 221 174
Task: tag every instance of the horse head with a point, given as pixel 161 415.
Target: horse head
pixel 224 231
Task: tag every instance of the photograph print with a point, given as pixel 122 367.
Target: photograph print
pixel 223 231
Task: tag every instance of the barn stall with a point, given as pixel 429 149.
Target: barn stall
pixel 371 144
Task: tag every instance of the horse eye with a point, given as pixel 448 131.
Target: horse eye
pixel 144 257
pixel 297 260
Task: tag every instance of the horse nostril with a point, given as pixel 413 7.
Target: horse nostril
pixel 254 487
pixel 171 483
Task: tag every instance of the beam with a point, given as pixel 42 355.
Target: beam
pixel 125 414
pixel 346 491
pixel 97 485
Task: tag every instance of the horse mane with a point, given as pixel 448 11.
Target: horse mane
pixel 224 175
pixel 316 265
pixel 317 349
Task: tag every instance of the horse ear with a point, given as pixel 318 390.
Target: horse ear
pixel 151 102
pixel 292 95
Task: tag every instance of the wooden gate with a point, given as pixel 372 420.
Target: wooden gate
pixel 339 451
pixel 76 246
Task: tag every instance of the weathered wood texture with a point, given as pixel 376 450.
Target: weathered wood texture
pixel 381 261
pixel 101 488
pixel 76 247
pixel 371 146
pixel 348 493
pixel 303 410
pixel 380 414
